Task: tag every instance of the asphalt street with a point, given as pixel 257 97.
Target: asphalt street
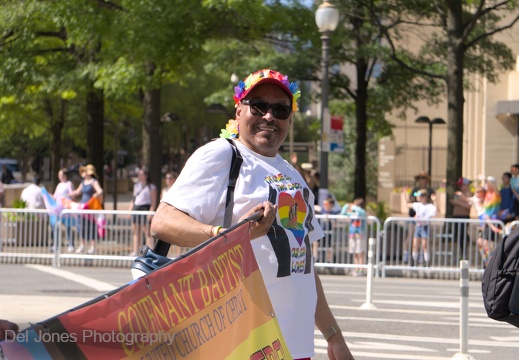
pixel 414 319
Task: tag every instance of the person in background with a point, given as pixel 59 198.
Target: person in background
pixel 308 172
pixel 144 199
pixel 491 205
pixel 7 175
pixel 461 205
pixel 424 210
pixel 7 329
pixel 193 210
pixel 514 185
pixel 356 237
pixel 32 195
pixel 327 226
pixel 169 180
pixel 506 210
pixel 1 194
pixel 422 181
pixel 88 188
pixel 62 191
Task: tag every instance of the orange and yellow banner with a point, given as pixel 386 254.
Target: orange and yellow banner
pixel 210 305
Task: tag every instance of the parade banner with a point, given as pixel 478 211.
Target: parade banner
pixel 211 304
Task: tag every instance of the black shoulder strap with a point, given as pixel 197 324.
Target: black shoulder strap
pixel 162 247
pixel 234 171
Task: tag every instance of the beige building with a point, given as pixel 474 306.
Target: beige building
pixel 490 141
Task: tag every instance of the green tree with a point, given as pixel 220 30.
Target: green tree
pixel 461 40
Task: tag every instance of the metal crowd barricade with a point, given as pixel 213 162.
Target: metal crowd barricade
pixel 111 233
pixel 449 241
pixel 332 252
pixel 37 237
pixel 24 236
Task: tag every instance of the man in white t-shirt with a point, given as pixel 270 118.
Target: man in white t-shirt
pixel 193 209
pixel 32 195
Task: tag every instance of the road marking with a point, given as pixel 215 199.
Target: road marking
pixel 80 279
pixel 397 356
pixel 434 304
pixel 430 312
pixel 427 339
pixel 447 322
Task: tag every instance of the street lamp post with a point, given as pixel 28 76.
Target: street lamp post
pixel 426 120
pixel 327 19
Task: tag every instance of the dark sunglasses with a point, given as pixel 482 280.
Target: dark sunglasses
pixel 261 108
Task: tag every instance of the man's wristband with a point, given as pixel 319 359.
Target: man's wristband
pixel 215 230
pixel 334 329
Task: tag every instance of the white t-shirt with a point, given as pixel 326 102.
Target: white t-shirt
pixel 32 196
pixel 424 211
pixel 62 190
pixel 142 193
pixel 287 270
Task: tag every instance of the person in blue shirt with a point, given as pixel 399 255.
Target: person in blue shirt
pixel 506 211
pixel 357 238
pixel 327 226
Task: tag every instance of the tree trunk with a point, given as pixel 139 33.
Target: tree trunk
pixel 57 123
pixel 152 135
pixel 455 99
pixel 362 118
pixel 95 131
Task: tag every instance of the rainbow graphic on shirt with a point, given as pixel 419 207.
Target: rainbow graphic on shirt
pixel 292 212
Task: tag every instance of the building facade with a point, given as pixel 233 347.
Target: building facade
pixel 490 139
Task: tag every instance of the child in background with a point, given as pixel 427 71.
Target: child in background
pixel 357 239
pixel 490 208
pixel 327 226
pixel 425 210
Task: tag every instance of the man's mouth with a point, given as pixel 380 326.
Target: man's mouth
pixel 266 128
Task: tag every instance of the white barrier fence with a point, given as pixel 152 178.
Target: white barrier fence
pixel 31 236
pixel 337 250
pixel 448 241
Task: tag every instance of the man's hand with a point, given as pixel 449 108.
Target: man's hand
pixel 262 226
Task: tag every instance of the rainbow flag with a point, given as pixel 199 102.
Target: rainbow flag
pixel 53 207
pixel 211 304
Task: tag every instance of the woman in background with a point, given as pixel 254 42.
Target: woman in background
pixel 170 180
pixel 144 199
pixel 63 189
pixel 88 189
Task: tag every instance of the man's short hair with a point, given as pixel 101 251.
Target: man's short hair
pixel 330 200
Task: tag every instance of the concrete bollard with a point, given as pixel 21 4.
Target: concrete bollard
pixel 369 276
pixel 464 313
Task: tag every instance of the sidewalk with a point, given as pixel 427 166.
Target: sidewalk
pixel 123 201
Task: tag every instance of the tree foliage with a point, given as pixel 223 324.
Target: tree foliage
pixel 456 37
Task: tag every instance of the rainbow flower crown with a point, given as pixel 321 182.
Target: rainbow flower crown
pixel 267 76
pixel 244 87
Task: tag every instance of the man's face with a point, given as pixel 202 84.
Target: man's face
pixel 514 170
pixel 327 205
pixel 263 134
